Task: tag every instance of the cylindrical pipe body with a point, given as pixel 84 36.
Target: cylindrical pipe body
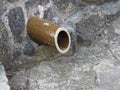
pixel 45 32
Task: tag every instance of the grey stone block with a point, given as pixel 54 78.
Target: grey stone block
pixel 16 23
pixel 88 28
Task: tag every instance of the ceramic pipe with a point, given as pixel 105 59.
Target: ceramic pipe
pixel 41 31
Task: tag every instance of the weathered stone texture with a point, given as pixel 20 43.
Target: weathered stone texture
pixel 16 23
pixel 95 23
pixel 33 3
pixel 62 4
pixel 4 42
pixel 29 50
pixel 2 6
pixel 88 28
pixel 48 14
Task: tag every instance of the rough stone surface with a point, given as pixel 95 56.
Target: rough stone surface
pixel 16 23
pixel 112 83
pixel 62 4
pixel 48 14
pixel 32 3
pixel 4 46
pixel 29 50
pixel 93 60
pixel 88 28
pixel 2 6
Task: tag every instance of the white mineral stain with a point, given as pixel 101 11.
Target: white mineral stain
pixel 41 11
pixel 47 24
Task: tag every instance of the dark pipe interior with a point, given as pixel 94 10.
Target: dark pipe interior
pixel 63 40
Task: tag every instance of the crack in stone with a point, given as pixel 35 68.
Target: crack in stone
pixel 96 82
pixel 114 56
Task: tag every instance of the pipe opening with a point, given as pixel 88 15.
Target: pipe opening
pixel 63 40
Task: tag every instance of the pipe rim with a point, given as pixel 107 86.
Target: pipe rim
pixel 56 40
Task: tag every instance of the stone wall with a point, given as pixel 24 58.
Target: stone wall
pixel 94 57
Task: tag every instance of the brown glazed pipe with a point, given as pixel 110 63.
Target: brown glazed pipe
pixel 41 31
